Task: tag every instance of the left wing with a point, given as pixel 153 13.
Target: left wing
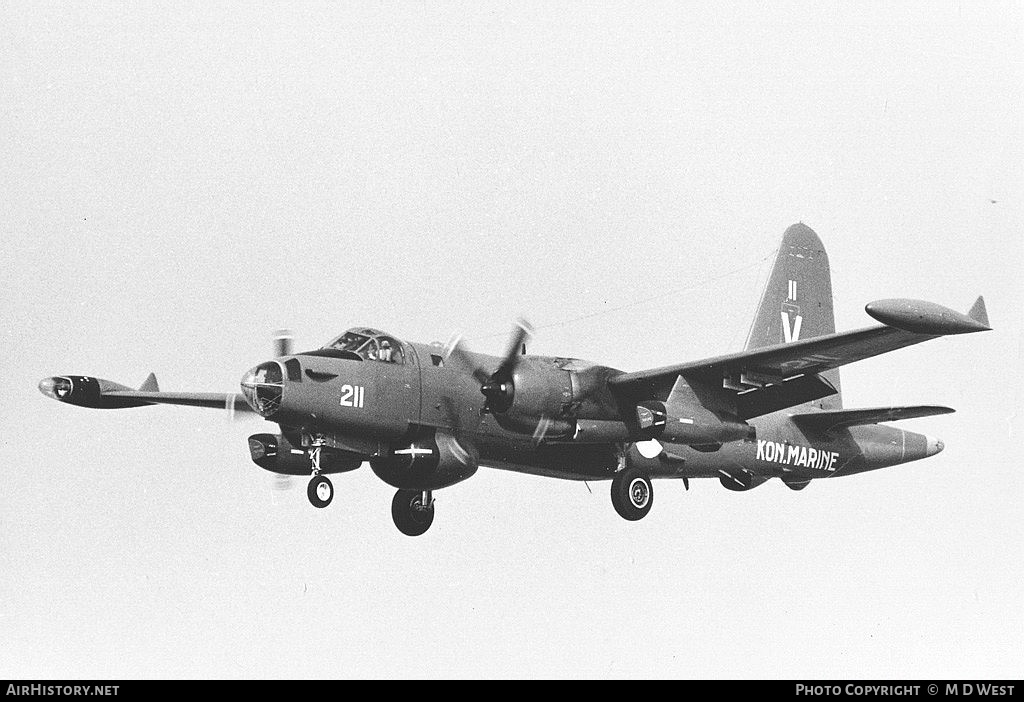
pixel 771 368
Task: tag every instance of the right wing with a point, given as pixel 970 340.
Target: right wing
pixel 89 391
pixel 231 401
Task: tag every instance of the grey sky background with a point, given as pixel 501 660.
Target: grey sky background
pixel 177 181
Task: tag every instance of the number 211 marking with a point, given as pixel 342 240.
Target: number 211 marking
pixel 352 395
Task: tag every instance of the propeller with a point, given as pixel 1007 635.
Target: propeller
pixel 283 342
pixel 283 482
pixel 497 387
pixel 541 431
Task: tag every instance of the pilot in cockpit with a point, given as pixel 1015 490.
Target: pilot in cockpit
pixel 384 353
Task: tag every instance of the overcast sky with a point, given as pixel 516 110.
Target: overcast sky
pixel 176 181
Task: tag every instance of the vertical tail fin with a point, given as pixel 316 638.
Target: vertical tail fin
pixel 797 299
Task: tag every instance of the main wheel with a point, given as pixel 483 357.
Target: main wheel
pixel 632 494
pixel 320 491
pixel 411 516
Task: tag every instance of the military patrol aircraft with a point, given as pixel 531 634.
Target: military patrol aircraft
pixel 426 417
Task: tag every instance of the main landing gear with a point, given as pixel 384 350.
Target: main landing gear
pixel 413 511
pixel 632 494
pixel 320 491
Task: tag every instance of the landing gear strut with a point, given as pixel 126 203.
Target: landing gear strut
pixel 320 491
pixel 632 494
pixel 413 511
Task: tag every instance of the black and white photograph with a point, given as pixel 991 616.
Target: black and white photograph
pixel 512 340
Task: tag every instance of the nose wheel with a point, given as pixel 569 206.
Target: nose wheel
pixel 413 511
pixel 632 494
pixel 320 491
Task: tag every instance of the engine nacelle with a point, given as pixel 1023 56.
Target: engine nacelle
pixel 275 453
pixel 541 388
pixel 656 421
pixel 431 461
pixel 539 399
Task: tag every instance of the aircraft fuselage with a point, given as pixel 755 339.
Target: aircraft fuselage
pixel 368 408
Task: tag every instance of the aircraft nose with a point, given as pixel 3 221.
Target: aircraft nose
pixel 933 445
pixel 263 386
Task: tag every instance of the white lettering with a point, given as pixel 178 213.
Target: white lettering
pixel 791 334
pixel 795 455
pixel 352 395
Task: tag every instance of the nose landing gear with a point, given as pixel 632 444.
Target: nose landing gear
pixel 320 490
pixel 413 511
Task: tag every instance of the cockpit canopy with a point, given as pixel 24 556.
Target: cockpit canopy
pixel 370 345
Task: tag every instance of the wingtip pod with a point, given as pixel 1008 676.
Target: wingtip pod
pixel 921 317
pixel 87 391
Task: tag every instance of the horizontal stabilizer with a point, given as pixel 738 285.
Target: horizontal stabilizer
pixel 150 385
pixel 834 419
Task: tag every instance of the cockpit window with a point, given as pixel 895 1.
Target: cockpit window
pixel 368 350
pixel 370 345
pixel 349 341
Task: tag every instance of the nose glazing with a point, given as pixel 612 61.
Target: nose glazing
pixel 262 387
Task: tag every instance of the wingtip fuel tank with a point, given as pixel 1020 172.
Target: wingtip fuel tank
pixel 922 317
